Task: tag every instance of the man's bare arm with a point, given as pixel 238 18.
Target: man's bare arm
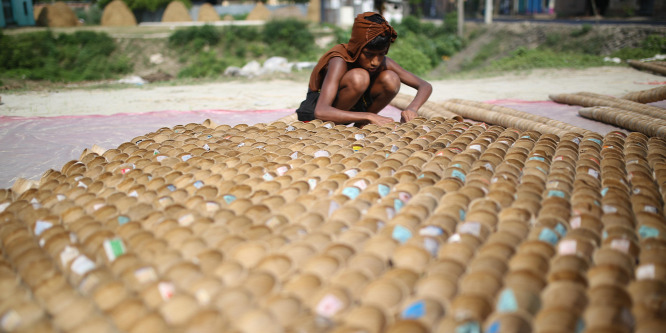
pixel 423 88
pixel 325 110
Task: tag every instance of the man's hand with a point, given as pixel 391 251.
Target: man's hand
pixel 379 120
pixel 407 115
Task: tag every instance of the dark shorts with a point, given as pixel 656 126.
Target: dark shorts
pixel 305 112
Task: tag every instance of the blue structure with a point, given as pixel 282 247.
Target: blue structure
pixel 16 12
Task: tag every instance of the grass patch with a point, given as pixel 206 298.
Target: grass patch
pixel 524 59
pixel 650 46
pixel 485 53
pixel 206 51
pixel 82 55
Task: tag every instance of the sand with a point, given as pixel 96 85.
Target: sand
pixel 261 94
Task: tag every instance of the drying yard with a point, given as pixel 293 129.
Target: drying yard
pixel 475 217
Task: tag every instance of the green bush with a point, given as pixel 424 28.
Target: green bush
pixel 195 38
pixel 432 41
pixel 90 16
pixel 289 38
pixel 205 64
pixel 650 46
pixel 341 35
pixel 582 31
pixel 410 57
pixel 240 34
pixel 83 55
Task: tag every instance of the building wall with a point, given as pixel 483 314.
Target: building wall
pixel 22 11
pixel 659 9
pixel 570 7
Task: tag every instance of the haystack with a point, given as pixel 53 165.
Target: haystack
pixel 207 13
pixel 57 15
pixel 287 12
pixel 36 10
pixel 176 12
pixel 117 14
pixel 259 13
pixel 314 11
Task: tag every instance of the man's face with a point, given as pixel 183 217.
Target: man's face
pixel 370 60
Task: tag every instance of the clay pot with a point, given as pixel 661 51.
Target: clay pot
pixel 517 322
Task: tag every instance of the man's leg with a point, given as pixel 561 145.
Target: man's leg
pixel 352 86
pixel 383 90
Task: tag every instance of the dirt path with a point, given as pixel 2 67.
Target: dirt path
pixel 286 94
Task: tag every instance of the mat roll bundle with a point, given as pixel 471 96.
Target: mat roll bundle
pixel 588 99
pixel 434 225
pixel 429 109
pixel 489 113
pixel 657 67
pixel 520 114
pixel 647 96
pixel 630 120
pixel 634 116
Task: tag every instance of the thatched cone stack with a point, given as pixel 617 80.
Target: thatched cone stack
pixel 314 11
pixel 649 66
pixel 647 96
pixel 57 15
pixel 287 12
pixel 176 12
pixel 207 13
pixel 259 13
pixel 117 14
pixel 36 10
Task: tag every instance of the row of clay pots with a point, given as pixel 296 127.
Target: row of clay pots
pixel 287 262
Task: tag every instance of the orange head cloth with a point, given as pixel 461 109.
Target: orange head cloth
pixel 363 32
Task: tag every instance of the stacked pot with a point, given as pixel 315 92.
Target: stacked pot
pixel 432 225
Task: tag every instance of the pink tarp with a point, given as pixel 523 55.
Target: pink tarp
pixel 31 145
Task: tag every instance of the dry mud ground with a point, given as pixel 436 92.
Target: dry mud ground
pixel 271 94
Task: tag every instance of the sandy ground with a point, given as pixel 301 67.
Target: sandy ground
pixel 259 94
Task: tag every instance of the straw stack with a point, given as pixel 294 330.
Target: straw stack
pixel 587 99
pixel 435 225
pixel 647 96
pixel 512 112
pixel 428 110
pixel 634 116
pixel 499 115
pixel 658 68
pixel 506 120
pixel 626 119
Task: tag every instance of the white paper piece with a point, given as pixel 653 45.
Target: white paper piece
pixel 82 265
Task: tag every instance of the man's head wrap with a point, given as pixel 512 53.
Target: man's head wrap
pixel 363 32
